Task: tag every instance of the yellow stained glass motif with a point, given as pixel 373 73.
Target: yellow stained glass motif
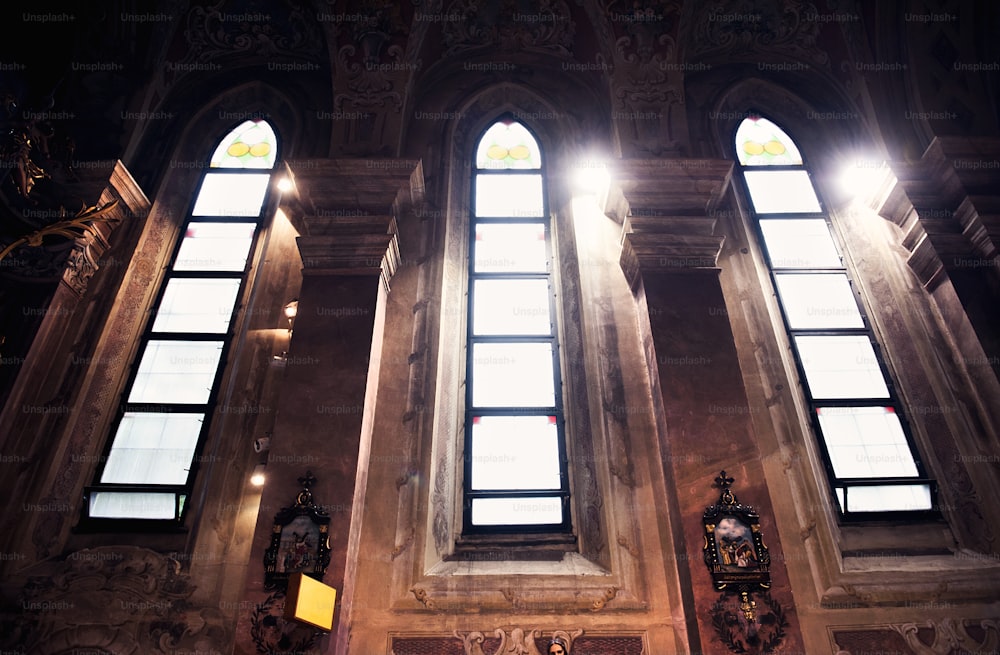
pixel 249 145
pixel 759 142
pixel 508 146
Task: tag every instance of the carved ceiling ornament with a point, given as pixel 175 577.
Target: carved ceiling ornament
pixel 757 26
pixel 373 58
pixel 227 28
pixel 648 80
pixel 501 24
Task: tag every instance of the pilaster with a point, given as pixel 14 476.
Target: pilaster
pixel 670 258
pixel 345 211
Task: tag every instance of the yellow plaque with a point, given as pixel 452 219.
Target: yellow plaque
pixel 310 601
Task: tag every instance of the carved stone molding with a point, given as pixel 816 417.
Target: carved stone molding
pixel 670 222
pixel 346 209
pixel 947 207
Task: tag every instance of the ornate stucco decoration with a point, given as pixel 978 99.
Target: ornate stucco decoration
pixel 81 228
pixel 503 24
pixel 516 640
pixel 950 635
pixel 273 635
pixel 227 28
pixel 755 27
pixel 372 57
pixel 648 82
pixel 116 599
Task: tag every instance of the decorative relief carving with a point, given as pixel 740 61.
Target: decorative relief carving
pixel 951 635
pixel 273 635
pixel 947 636
pixel 752 637
pixel 627 545
pixel 494 24
pixel 119 599
pixel 609 594
pixel 648 82
pixel 373 61
pixel 518 641
pixel 211 33
pixel 400 548
pixel 421 594
pixel 80 265
pixel 755 26
pixel 439 501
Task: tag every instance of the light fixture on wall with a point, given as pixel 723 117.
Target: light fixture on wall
pixel 291 311
pixel 257 478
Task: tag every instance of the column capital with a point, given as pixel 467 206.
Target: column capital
pixel 947 205
pixel 345 211
pixel 671 206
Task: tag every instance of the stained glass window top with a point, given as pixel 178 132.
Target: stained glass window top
pixel 508 145
pixel 759 142
pixel 250 145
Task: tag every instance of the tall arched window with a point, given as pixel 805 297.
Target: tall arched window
pixel 868 452
pixel 515 456
pixel 150 461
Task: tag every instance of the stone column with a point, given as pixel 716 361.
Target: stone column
pixel 345 212
pixel 669 256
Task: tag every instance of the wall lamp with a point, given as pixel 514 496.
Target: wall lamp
pixel 257 478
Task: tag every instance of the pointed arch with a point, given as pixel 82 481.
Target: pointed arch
pixel 152 455
pixel 864 439
pixel 515 473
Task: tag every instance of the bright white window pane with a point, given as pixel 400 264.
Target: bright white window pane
pixel 511 307
pixel 781 192
pixel 800 243
pixel 176 372
pixel 215 247
pixel 510 248
pixel 153 448
pixel 889 498
pixel 196 305
pixel 823 300
pixel 509 195
pixel 515 452
pixel 866 442
pixel 516 511
pixel 231 194
pixel 841 367
pixel 512 375
pixel 129 505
